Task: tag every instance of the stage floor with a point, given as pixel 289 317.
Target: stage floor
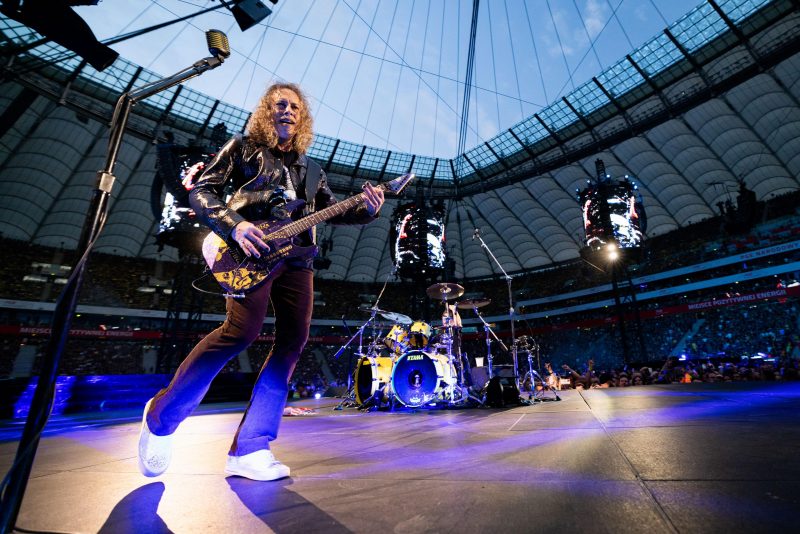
pixel 679 458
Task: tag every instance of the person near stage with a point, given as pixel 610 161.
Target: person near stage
pixel 270 160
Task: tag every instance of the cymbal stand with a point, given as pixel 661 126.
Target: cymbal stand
pixel 533 375
pixel 489 331
pixel 350 398
pixel 447 338
pixel 510 304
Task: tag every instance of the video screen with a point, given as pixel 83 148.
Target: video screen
pixel 418 240
pixel 177 217
pixel 612 209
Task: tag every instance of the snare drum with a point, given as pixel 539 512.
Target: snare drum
pixel 419 335
pixel 397 339
pixel 372 374
pixel 420 377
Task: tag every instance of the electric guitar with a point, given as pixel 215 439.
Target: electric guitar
pixel 238 273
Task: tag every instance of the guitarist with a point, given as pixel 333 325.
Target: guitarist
pixel 271 160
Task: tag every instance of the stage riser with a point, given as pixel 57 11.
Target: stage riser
pixel 76 394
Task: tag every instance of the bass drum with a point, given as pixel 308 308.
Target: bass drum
pixel 420 377
pixel 372 374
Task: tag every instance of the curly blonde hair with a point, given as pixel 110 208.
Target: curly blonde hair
pixel 261 128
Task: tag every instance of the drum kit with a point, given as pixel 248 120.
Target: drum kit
pixel 412 364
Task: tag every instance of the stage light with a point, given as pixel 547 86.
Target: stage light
pixel 613 252
pixel 317 396
pixel 58 22
pixel 248 13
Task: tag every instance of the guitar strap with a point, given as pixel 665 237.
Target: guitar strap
pixel 313 177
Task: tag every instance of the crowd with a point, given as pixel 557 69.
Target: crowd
pixel 741 342
pixel 675 371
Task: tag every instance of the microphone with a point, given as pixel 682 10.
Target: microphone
pixel 218 43
pixel 476 234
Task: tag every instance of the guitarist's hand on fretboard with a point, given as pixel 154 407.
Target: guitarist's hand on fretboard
pixel 250 239
pixel 373 198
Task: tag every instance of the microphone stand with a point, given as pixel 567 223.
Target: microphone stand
pixel 477 234
pixel 41 405
pixel 488 330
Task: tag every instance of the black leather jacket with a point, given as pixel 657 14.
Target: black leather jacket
pixel 245 166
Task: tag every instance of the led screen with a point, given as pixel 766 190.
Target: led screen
pixel 612 209
pixel 418 240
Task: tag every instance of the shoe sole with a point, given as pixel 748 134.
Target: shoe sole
pixel 252 476
pixel 143 468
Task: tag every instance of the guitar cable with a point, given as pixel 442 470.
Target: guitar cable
pixel 215 293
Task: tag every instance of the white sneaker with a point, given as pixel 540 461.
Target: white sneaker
pixel 155 452
pixel 259 465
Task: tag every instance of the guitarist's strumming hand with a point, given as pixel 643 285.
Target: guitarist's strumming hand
pixel 373 198
pixel 250 238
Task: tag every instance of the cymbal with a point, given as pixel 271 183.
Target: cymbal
pixel 445 291
pixel 398 318
pixel 369 309
pixel 468 304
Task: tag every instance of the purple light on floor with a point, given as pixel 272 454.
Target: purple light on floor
pixel 94 393
pixel 64 385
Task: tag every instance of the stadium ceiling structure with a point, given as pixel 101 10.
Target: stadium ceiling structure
pixel 709 101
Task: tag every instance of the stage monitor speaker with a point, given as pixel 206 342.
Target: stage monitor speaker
pixel 505 371
pixel 502 392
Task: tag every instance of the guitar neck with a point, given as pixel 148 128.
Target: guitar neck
pixel 308 222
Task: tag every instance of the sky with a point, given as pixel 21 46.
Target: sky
pixel 390 74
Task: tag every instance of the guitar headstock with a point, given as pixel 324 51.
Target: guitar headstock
pixel 398 184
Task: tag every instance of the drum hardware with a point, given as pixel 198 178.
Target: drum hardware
pixel 350 398
pixel 487 328
pixel 396 340
pixel 372 309
pixel 468 304
pixel 511 320
pixel 397 318
pixel 527 345
pixel 445 291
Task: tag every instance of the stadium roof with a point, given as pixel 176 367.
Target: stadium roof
pixel 707 102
